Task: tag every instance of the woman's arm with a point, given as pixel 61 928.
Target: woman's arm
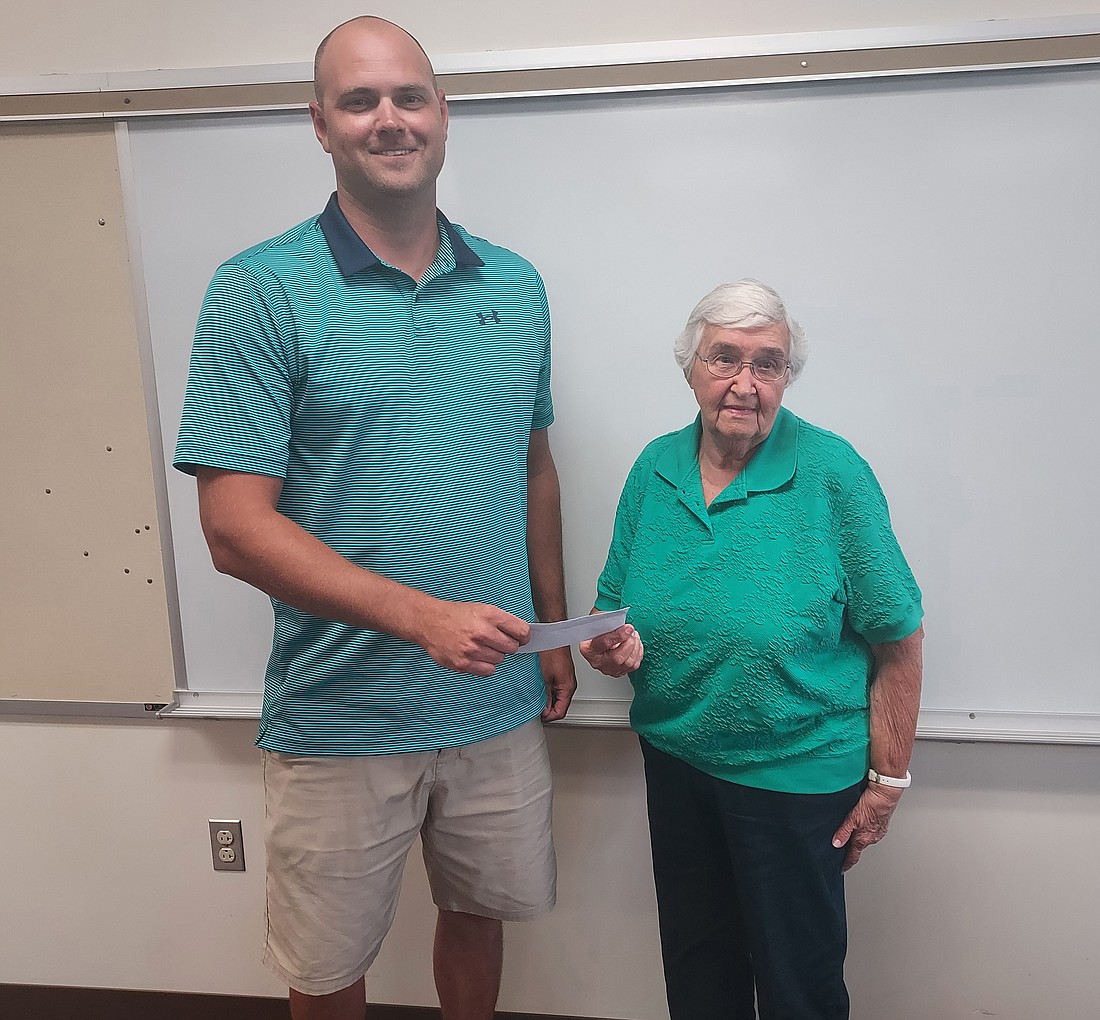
pixel 614 654
pixel 895 701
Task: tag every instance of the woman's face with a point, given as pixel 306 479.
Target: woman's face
pixel 738 413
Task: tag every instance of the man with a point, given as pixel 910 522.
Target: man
pixel 366 416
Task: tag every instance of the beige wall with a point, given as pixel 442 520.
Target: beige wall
pixel 74 36
pixel 984 900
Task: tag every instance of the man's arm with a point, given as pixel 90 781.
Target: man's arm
pixel 544 555
pixel 249 539
pixel 895 701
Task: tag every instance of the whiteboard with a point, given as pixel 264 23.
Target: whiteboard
pixel 938 238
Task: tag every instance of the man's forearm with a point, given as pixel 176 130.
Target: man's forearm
pixel 251 540
pixel 544 545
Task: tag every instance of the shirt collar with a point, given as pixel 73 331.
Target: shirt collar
pixel 353 256
pixel 772 466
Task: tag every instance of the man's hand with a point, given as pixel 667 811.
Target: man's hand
pixel 561 682
pixel 471 637
pixel 867 821
pixel 616 653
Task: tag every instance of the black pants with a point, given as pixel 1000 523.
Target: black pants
pixel 750 896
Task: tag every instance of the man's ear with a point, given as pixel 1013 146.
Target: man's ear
pixel 320 125
pixel 443 110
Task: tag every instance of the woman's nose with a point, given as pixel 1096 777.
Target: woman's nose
pixel 743 382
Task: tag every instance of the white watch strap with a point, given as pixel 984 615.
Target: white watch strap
pixel 898 784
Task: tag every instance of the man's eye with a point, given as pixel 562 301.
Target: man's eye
pixel 766 364
pixel 725 360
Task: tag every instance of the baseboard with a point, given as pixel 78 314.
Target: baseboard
pixel 46 1002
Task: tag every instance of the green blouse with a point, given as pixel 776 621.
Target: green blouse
pixel 758 612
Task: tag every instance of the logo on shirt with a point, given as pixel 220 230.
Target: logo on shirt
pixel 486 317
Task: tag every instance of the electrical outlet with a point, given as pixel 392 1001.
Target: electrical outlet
pixel 227 845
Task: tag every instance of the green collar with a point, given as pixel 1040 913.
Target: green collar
pixel 770 467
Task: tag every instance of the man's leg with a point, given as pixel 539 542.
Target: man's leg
pixel 489 856
pixel 469 952
pixel 338 832
pixel 347 1004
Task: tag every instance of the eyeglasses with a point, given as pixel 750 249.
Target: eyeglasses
pixel 725 366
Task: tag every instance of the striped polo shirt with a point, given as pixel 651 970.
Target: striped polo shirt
pixel 398 414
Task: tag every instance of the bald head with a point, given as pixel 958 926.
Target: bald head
pixel 358 31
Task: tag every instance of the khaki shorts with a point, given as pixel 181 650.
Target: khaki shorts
pixel 339 830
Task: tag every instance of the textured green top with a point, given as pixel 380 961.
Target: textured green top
pixel 758 611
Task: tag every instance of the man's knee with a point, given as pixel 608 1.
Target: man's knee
pixel 472 927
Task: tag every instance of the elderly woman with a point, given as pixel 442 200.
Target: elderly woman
pixel 777 699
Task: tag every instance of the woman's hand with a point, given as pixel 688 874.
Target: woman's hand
pixel 867 821
pixel 616 653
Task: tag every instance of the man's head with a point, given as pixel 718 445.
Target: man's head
pixel 318 69
pixel 378 112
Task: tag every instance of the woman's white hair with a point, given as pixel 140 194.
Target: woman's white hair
pixel 745 304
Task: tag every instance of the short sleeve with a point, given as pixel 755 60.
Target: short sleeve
pixel 237 408
pixel 543 415
pixel 884 602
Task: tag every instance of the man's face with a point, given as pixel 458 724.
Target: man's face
pixel 379 117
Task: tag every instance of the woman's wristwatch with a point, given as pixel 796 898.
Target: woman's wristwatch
pixel 897 784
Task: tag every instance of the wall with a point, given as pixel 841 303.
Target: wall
pixel 73 36
pixel 982 901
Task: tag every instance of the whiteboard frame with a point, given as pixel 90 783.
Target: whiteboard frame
pixel 601 713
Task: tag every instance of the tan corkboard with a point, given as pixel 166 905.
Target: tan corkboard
pixel 83 611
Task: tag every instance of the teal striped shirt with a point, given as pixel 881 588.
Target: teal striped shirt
pixel 398 415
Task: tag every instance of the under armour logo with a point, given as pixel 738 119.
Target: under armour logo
pixel 490 316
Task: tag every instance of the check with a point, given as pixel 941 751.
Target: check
pixel 570 632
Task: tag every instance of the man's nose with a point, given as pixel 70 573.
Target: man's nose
pixel 389 117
